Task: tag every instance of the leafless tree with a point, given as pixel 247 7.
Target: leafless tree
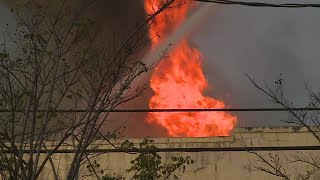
pixel 296 166
pixel 54 64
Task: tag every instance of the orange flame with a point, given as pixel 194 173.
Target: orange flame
pixel 179 82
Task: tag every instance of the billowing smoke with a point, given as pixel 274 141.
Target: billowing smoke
pixel 262 42
pixel 117 19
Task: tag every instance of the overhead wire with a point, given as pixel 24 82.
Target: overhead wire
pixel 182 149
pixel 170 110
pixel 261 4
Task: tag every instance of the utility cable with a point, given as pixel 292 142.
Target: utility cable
pixel 172 110
pixel 261 4
pixel 197 149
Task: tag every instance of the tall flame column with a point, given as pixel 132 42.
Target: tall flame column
pixel 179 81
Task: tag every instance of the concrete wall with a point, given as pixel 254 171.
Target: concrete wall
pixel 217 165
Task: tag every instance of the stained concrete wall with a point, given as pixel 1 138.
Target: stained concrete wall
pixel 215 165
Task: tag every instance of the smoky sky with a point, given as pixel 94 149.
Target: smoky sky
pixel 234 40
pixel 116 17
pixel 263 43
pixel 117 20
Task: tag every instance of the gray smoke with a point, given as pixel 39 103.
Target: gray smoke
pixel 262 42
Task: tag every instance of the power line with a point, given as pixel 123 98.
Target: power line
pixel 198 149
pixel 260 4
pixel 172 110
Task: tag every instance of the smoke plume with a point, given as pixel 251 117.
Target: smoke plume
pixel 116 19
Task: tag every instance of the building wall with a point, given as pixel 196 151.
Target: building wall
pixel 217 165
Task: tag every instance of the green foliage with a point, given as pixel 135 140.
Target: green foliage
pixel 93 167
pixel 148 165
pixel 113 177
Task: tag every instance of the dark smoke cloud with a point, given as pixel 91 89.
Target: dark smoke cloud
pixel 117 19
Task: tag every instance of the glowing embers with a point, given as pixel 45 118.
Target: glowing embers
pixel 178 82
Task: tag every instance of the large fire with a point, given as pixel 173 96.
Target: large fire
pixel 179 82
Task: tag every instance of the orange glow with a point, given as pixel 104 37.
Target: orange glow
pixel 179 82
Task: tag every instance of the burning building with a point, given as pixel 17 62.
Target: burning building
pixel 179 82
